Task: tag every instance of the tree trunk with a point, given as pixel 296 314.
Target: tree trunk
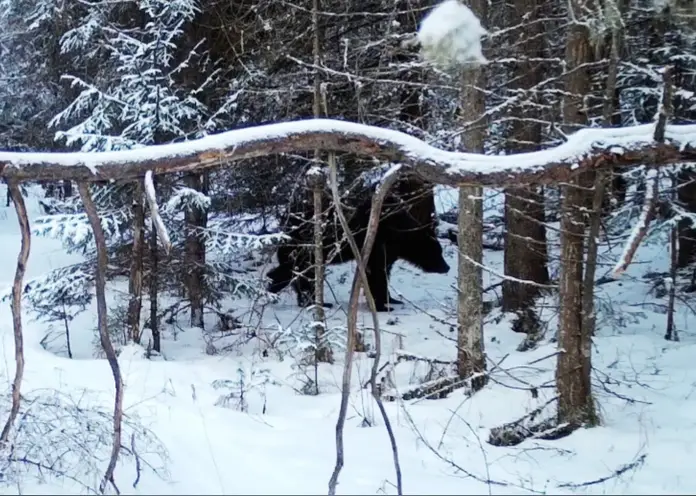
pixel 135 280
pixel 316 183
pixel 67 189
pixel 525 254
pixel 154 263
pixel 573 381
pixel 196 218
pixel 602 178
pixel 686 197
pixel 671 333
pixel 471 359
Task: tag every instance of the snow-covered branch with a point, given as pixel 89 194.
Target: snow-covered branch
pixel 641 227
pixel 586 149
pixel 151 196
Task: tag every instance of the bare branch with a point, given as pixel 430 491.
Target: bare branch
pixel 586 149
pixel 360 280
pixel 617 473
pixel 21 209
pixel 100 283
pixel 640 230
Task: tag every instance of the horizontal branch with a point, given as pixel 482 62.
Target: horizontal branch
pixel 586 149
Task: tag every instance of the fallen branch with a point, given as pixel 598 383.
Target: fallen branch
pixel 617 473
pixel 651 188
pixel 107 346
pixel 432 390
pixel 16 305
pixel 151 196
pixel 403 355
pixel 516 432
pixel 641 228
pixel 586 149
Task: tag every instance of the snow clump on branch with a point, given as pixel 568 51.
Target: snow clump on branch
pixel 450 36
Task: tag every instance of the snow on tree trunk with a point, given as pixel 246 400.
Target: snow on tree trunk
pixel 471 358
pixel 573 372
pixel 316 182
pixel 153 290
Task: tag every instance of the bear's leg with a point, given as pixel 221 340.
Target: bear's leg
pixel 377 278
pixel 304 287
pixel 280 277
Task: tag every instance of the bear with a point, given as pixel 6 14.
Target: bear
pixel 406 231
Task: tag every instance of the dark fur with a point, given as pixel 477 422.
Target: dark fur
pixel 407 231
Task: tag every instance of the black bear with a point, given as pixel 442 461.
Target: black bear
pixel 406 231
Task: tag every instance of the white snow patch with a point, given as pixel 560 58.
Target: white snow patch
pixel 644 387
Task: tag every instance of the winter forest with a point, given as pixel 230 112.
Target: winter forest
pixel 368 247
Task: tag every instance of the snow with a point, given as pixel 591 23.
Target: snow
pixel 209 148
pixel 450 35
pixel 644 387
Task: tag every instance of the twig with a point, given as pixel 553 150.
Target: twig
pixel 138 468
pixel 617 473
pixel 450 462
pixel 107 346
pixel 16 306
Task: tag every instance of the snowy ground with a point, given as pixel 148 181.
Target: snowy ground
pixel 284 443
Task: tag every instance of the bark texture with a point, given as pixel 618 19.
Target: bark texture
pixel 573 372
pixel 525 254
pixel 471 359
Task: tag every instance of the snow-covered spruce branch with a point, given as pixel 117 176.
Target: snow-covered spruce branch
pixel 228 242
pixel 74 231
pixel 587 149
